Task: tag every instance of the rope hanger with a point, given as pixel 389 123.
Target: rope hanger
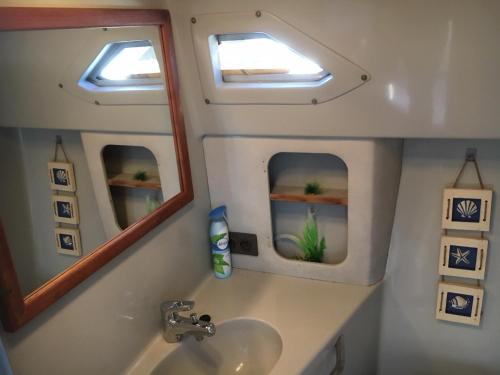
pixel 470 157
pixel 59 144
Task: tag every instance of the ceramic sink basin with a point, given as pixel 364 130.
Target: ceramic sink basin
pixel 240 346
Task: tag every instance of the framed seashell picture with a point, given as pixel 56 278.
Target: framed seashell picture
pixel 65 209
pixel 463 257
pixel 62 176
pixel 467 209
pixel 459 303
pixel 68 241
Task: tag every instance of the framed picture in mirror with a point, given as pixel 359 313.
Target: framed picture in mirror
pixel 65 209
pixel 68 241
pixel 62 176
pixel 72 39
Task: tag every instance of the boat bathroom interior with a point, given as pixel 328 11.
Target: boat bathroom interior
pixel 249 187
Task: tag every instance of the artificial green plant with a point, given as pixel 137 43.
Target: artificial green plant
pixel 141 175
pixel 151 204
pixel 310 244
pixel 312 188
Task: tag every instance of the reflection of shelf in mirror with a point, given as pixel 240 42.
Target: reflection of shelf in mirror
pixel 296 194
pixel 127 180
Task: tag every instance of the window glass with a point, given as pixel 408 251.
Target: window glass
pixel 131 63
pixel 256 57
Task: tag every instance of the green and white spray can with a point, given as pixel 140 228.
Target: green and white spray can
pixel 219 240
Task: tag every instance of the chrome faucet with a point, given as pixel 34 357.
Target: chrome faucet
pixel 175 326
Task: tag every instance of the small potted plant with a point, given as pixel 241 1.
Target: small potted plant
pixel 310 244
pixel 312 188
pixel 141 176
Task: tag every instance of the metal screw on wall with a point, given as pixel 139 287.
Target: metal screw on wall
pixel 258 13
pixel 193 20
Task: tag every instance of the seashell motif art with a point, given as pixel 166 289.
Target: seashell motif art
pixel 467 208
pixel 459 302
pixel 62 176
pixel 67 240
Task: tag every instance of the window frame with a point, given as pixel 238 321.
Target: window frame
pixel 348 76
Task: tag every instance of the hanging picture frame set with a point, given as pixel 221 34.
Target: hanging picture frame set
pixel 459 303
pixel 463 257
pixel 467 209
pixel 65 209
pixel 68 241
pixel 460 255
pixel 65 205
pixel 62 176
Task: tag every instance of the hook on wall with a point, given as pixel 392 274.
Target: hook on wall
pixel 470 154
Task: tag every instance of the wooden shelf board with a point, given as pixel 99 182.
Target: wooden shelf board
pixel 127 180
pixel 296 194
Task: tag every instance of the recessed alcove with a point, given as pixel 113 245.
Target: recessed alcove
pixel 288 175
pixel 114 158
pixel 134 183
pixel 261 182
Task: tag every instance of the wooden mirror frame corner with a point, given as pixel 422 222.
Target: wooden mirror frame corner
pixel 17 310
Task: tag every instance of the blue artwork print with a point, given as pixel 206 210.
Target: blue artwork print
pixel 466 210
pixel 64 209
pixel 462 258
pixel 66 241
pixel 459 304
pixel 60 176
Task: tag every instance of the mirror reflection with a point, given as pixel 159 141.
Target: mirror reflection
pixel 134 181
pixel 86 146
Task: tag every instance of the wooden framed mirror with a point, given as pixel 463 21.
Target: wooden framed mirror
pixel 21 304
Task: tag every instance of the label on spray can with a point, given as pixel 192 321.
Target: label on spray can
pixel 222 263
pixel 220 241
pixel 219 235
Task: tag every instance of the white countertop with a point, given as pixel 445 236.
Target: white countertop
pixel 306 313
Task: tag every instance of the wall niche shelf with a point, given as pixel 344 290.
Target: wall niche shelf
pixel 296 194
pixel 114 159
pixel 127 180
pixel 289 172
pixel 357 235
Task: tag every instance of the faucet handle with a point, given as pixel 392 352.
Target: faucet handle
pixel 194 318
pixel 170 307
